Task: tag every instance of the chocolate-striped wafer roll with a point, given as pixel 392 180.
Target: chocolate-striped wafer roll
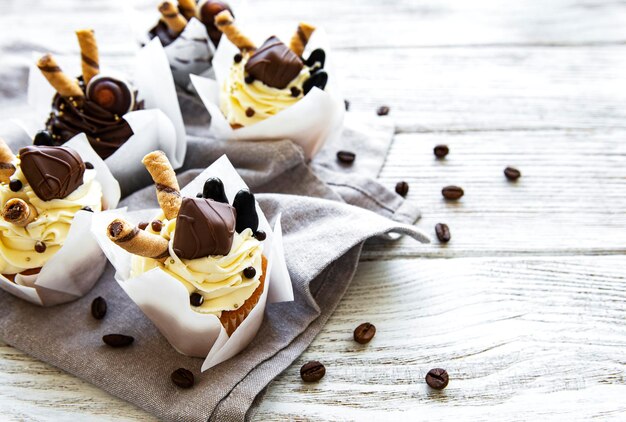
pixel 88 54
pixel 168 191
pixel 19 212
pixel 187 8
pixel 301 38
pixel 137 241
pixel 175 21
pixel 64 85
pixel 226 23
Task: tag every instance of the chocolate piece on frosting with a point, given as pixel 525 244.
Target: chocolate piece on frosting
pixel 214 189
pixel 274 64
pixel 204 227
pixel 52 172
pixel 245 205
pixel 113 95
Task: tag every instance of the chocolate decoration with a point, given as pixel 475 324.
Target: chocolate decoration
pixel 247 217
pixel 207 12
pixel 111 94
pixel 43 138
pixel 52 172
pixel 214 189
pixel 274 64
pixel 318 79
pixel 203 228
pixel 317 56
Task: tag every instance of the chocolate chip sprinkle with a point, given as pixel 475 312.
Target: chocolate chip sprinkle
pixel 196 299
pixel 40 247
pixel 382 111
pixel 249 272
pixel 99 308
pixel 15 185
pixel 260 235
pixel 156 225
pixel 346 157
pixel 295 91
pixel 183 378
pixel 249 112
pixel 238 58
pixel 249 79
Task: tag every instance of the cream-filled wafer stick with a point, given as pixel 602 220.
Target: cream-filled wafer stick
pixel 19 212
pixel 301 38
pixel 226 23
pixel 168 191
pixel 188 8
pixel 6 171
pixel 175 21
pixel 137 241
pixel 6 155
pixel 64 85
pixel 89 58
pixel 7 158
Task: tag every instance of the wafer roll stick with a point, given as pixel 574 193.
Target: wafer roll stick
pixel 19 212
pixel 136 241
pixel 301 38
pixel 89 58
pixel 64 85
pixel 188 8
pixel 7 158
pixel 226 23
pixel 168 191
pixel 6 155
pixel 174 20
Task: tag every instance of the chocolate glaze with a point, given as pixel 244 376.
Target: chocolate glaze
pixel 274 64
pixel 52 172
pixel 203 228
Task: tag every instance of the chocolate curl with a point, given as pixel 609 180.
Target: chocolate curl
pixel 88 54
pixel 174 20
pixel 188 8
pixel 168 191
pixel 225 23
pixel 18 212
pixel 7 168
pixel 301 38
pixel 136 241
pixel 64 85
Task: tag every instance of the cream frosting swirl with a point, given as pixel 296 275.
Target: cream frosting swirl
pixel 237 96
pixel 17 244
pixel 219 279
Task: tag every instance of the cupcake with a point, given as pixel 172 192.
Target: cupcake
pixel 93 103
pixel 212 248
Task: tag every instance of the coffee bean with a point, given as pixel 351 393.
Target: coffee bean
pixel 40 247
pixel 437 378
pixel 183 378
pixel 312 371
pixel 88 165
pixel 99 308
pixel 196 299
pixel 452 192
pixel 88 209
pixel 364 333
pixel 118 340
pixel 512 173
pixel 402 188
pixel 382 111
pixel 143 225
pixel 238 58
pixel 441 151
pixel 249 272
pixel 346 157
pixel 156 225
pixel 15 185
pixel 443 232
pixel 260 235
pixel 346 103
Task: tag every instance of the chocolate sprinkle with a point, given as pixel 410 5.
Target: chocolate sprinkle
pixel 295 91
pixel 15 185
pixel 249 272
pixel 40 247
pixel 196 299
pixel 249 112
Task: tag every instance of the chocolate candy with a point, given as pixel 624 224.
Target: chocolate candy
pixel 245 205
pixel 43 138
pixel 208 10
pixel 52 172
pixel 214 189
pixel 318 79
pixel 274 64
pixel 203 227
pixel 317 56
pixel 114 95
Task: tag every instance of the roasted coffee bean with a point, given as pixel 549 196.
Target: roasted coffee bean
pixel 317 79
pixel 443 232
pixel 40 247
pixel 364 333
pixel 295 91
pixel 441 151
pixel 382 111
pixel 346 103
pixel 88 165
pixel 437 378
pixel 512 173
pixel 452 192
pixel 143 225
pixel 238 58
pixel 15 185
pixel 196 299
pixel 118 340
pixel 183 378
pixel 346 157
pixel 249 272
pixel 156 225
pixel 214 189
pixel 43 138
pixel 88 209
pixel 260 235
pixel 312 371
pixel 402 188
pixel 99 308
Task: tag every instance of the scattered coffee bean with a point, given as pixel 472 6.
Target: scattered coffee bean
pixel 260 235
pixel 143 225
pixel 312 371
pixel 40 247
pixel 382 111
pixel 249 272
pixel 249 79
pixel 99 308
pixel 117 340
pixel 196 299
pixel 183 378
pixel 452 192
pixel 238 58
pixel 15 185
pixel 88 209
pixel 441 151
pixel 249 112
pixel 346 157
pixel 443 232
pixel 512 173
pixel 88 165
pixel 402 188
pixel 437 378
pixel 295 91
pixel 347 104
pixel 364 333
pixel 156 225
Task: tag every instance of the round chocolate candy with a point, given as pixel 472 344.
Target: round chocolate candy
pixel 112 94
pixel 318 79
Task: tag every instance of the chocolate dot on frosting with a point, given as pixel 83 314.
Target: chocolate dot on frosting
pixel 15 185
pixel 249 79
pixel 260 235
pixel 249 112
pixel 196 299
pixel 40 247
pixel 156 225
pixel 295 91
pixel 142 225
pixel 238 58
pixel 249 272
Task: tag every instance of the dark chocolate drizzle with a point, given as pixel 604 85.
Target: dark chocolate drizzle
pixel 274 64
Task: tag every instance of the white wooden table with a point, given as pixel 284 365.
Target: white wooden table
pixel 526 306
